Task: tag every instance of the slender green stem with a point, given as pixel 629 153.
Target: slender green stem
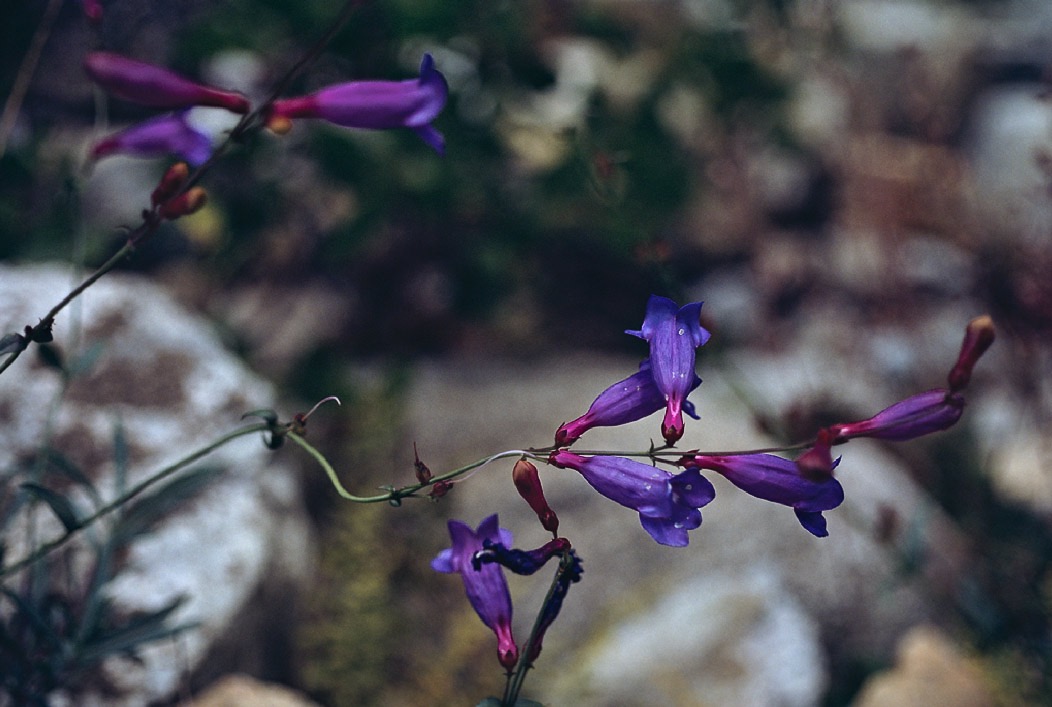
pixel 404 491
pixel 160 475
pixel 662 452
pixel 515 680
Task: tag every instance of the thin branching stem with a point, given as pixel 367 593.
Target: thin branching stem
pixel 151 220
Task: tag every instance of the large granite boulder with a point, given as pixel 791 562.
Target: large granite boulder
pixel 233 550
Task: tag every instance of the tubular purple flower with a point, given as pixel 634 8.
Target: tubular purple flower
pixel 155 86
pixel 773 478
pixel 625 401
pixel 917 415
pixel 157 137
pixel 673 334
pixel 667 505
pixel 485 586
pixel 378 105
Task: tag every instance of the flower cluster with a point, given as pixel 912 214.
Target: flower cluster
pixel 669 503
pixel 479 556
pixel 373 105
pixel 664 379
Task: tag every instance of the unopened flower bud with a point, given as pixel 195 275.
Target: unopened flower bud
pixel 978 337
pixel 185 204
pixel 528 484
pixel 278 124
pixel 170 183
pixel 423 473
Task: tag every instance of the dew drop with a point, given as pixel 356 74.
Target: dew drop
pixel 681 332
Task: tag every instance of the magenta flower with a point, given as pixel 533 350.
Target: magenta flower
pixel 917 415
pixel 667 504
pixel 150 85
pixel 673 334
pixel 484 584
pixel 157 137
pixel 378 105
pixel 773 478
pixel 625 401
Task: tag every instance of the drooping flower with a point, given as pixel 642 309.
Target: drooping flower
pixel 673 334
pixel 625 401
pixel 156 86
pixel 529 561
pixel 667 504
pixel 377 105
pixel 157 137
pixel 486 588
pixel 776 479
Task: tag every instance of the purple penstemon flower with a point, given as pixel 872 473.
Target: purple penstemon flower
pixel 917 415
pixel 156 86
pixel 625 401
pixel 776 479
pixel 378 105
pixel 667 504
pixel 485 585
pixel 157 137
pixel 673 334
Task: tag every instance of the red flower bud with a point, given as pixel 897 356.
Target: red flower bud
pixel 185 204
pixel 528 484
pixel 170 183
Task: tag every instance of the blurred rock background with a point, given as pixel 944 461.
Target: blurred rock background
pixel 845 184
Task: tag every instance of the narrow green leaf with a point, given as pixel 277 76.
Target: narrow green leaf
pixel 120 457
pixel 141 516
pixel 61 506
pixel 61 465
pixel 140 629
pixel 10 343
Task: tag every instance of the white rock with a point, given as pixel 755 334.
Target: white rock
pixel 163 374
